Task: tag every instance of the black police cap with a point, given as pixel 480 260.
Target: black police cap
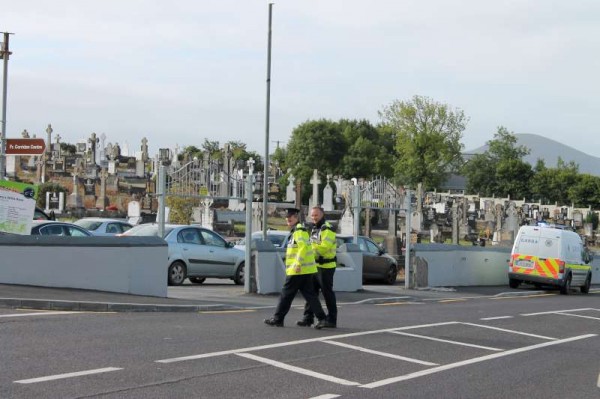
pixel 292 211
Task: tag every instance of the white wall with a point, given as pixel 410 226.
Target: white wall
pixel 132 265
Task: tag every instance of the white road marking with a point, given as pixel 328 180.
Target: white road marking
pixel 446 341
pixel 37 314
pixel 445 367
pixel 325 396
pixel 298 342
pixel 556 311
pixel 374 352
pixel 578 315
pixel 67 375
pixel 298 370
pixel 496 318
pixel 510 331
pixel 598 384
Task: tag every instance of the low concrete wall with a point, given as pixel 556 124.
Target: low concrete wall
pixel 439 265
pixel 270 268
pixel 132 265
pixel 442 265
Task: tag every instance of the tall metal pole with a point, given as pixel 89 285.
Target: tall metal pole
pixel 248 273
pixel 5 55
pixel 266 167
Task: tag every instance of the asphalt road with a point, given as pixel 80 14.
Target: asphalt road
pixel 539 346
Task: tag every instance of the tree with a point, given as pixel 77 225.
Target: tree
pixel 551 185
pixel 316 145
pixel 427 140
pixel 189 153
pixel 213 148
pixel 367 154
pixel 586 191
pixel 500 170
pixel 50 187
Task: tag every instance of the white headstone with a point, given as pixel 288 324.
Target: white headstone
pixel 347 222
pixel 328 196
pixel 133 209
pixel 290 191
pixel 315 181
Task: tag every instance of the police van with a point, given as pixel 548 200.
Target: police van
pixel 546 255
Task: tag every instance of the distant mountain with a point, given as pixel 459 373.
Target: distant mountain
pixel 550 150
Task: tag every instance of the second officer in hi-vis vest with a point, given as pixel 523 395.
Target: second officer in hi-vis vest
pixel 323 243
pixel 300 268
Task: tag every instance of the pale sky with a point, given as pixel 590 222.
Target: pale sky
pixel 181 71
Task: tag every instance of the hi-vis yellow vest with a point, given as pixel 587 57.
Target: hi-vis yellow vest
pixel 299 256
pixel 325 246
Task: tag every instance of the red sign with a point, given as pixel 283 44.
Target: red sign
pixel 25 146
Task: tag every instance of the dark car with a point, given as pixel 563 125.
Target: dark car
pixel 377 265
pixel 53 228
pixel 39 214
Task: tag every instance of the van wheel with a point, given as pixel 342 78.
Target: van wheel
pixel 176 273
pixel 585 288
pixel 565 289
pixel 513 283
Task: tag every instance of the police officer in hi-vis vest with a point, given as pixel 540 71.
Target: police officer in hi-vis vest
pixel 300 269
pixel 324 245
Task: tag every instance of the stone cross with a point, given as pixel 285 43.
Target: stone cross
pixel 144 149
pixel 101 202
pixel 315 181
pixel 93 140
pixel 102 147
pixel 290 191
pixel 58 138
pixel 49 141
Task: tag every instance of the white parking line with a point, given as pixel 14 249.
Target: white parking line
pixel 302 341
pixel 556 311
pixel 446 341
pixel 384 354
pixel 510 331
pixel 496 318
pixel 298 369
pixel 325 396
pixel 578 315
pixel 67 375
pixel 434 370
pixel 598 384
pixel 37 314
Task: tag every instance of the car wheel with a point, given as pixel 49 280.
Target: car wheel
pixel 565 289
pixel 240 274
pixel 392 274
pixel 197 280
pixel 514 283
pixel 176 273
pixel 585 288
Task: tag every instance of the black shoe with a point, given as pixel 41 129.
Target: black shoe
pixel 324 324
pixel 273 322
pixel 305 323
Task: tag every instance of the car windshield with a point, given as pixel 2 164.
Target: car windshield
pixel 88 224
pixel 146 230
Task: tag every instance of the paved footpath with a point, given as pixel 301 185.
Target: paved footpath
pixel 219 295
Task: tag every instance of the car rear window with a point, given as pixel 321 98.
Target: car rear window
pixel 88 224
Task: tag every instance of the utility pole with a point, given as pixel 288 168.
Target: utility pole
pixel 4 55
pixel 268 118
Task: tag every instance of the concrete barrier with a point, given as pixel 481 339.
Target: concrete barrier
pixel 270 268
pixel 132 265
pixel 442 265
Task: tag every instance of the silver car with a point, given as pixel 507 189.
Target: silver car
pixel 104 226
pixel 196 253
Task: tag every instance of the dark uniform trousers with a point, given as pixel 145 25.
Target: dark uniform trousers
pixel 323 281
pixel 304 284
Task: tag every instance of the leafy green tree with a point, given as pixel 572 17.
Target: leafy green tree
pixel 427 135
pixel 189 153
pixel 586 191
pixel 213 148
pixel 50 187
pixel 67 148
pixel 592 217
pixel 500 170
pixel 367 153
pixel 316 145
pixel 552 185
